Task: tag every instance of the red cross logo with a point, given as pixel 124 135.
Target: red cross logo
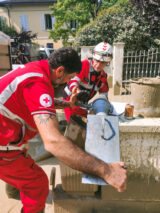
pixel 45 100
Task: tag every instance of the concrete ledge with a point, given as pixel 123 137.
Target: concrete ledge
pixel 138 189
pixel 140 146
pixel 64 203
pixel 140 125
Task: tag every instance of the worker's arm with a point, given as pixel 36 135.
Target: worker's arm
pixel 73 156
pixel 61 104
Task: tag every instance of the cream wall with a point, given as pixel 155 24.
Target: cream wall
pixel 4 12
pixel 33 13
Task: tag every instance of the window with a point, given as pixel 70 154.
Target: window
pixel 73 24
pixel 49 45
pixel 24 22
pixel 47 21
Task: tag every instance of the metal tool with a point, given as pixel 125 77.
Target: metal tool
pixel 100 106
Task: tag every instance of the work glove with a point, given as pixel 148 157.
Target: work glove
pixel 83 96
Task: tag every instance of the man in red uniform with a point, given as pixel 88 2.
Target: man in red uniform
pixel 26 108
pixel 92 79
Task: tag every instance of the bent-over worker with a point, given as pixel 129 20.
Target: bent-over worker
pixel 27 108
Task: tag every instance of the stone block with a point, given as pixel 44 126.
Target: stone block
pixel 140 146
pixel 64 203
pixel 140 150
pixel 152 207
pixel 72 179
pixel 36 149
pixel 72 182
pixel 138 189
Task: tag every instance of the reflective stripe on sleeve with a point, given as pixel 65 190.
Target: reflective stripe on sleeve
pixel 73 84
pixel 11 88
pixel 76 79
pixel 7 93
pixel 66 89
pixel 43 112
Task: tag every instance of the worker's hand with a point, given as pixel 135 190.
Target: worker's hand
pixel 83 96
pixel 117 176
pixel 73 97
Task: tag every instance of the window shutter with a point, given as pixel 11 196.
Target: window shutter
pixel 43 21
pixel 24 22
pixel 2 22
pixel 53 21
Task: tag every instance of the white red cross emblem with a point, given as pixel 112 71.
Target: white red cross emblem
pixel 105 46
pixel 45 100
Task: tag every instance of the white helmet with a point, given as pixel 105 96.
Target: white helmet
pixel 103 52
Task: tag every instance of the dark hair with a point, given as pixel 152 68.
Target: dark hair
pixel 66 57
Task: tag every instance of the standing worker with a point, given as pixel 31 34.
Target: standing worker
pixel 27 108
pixel 90 80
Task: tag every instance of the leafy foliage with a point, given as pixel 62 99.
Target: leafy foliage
pixel 26 36
pixel 150 11
pixel 81 12
pixel 22 37
pixel 11 31
pixel 120 23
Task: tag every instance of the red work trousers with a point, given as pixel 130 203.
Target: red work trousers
pixel 29 178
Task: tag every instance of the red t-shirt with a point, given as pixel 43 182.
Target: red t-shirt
pixel 24 92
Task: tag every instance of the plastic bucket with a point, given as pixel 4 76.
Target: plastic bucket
pixel 145 94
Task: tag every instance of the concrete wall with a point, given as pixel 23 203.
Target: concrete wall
pixel 140 150
pixel 118 49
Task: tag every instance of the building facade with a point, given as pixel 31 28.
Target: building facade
pixel 27 15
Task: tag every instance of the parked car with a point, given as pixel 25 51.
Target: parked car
pixel 44 52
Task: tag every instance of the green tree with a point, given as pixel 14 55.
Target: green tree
pixel 26 37
pixel 150 11
pixel 121 23
pixel 11 31
pixel 80 13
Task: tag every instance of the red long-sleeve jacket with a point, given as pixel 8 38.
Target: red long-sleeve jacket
pixel 88 80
